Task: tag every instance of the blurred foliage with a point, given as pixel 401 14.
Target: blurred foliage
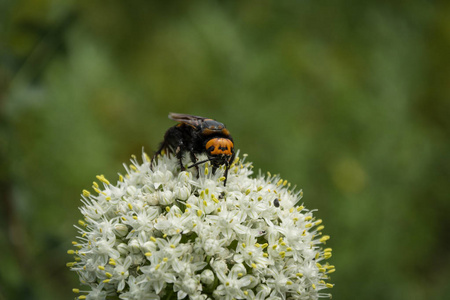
pixel 349 100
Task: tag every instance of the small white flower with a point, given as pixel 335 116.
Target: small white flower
pixel 233 284
pixel 252 253
pixel 160 233
pixel 187 286
pixel 138 291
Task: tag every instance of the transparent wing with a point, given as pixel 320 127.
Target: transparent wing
pixel 187 119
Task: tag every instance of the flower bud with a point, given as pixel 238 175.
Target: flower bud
pixel 184 177
pixel 123 249
pixel 183 192
pixel 133 246
pixel 131 190
pixel 207 277
pixel 152 199
pixel 166 198
pixel 190 285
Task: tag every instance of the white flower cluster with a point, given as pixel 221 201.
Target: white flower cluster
pixel 164 234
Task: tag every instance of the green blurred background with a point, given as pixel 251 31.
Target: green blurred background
pixel 349 100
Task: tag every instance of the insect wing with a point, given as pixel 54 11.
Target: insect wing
pixel 194 121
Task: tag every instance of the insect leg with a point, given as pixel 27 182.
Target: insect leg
pixel 172 135
pixel 164 146
pixel 227 167
pixel 226 174
pixel 194 160
pixel 179 155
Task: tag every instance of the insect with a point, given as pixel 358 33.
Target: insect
pixel 276 202
pixel 198 135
